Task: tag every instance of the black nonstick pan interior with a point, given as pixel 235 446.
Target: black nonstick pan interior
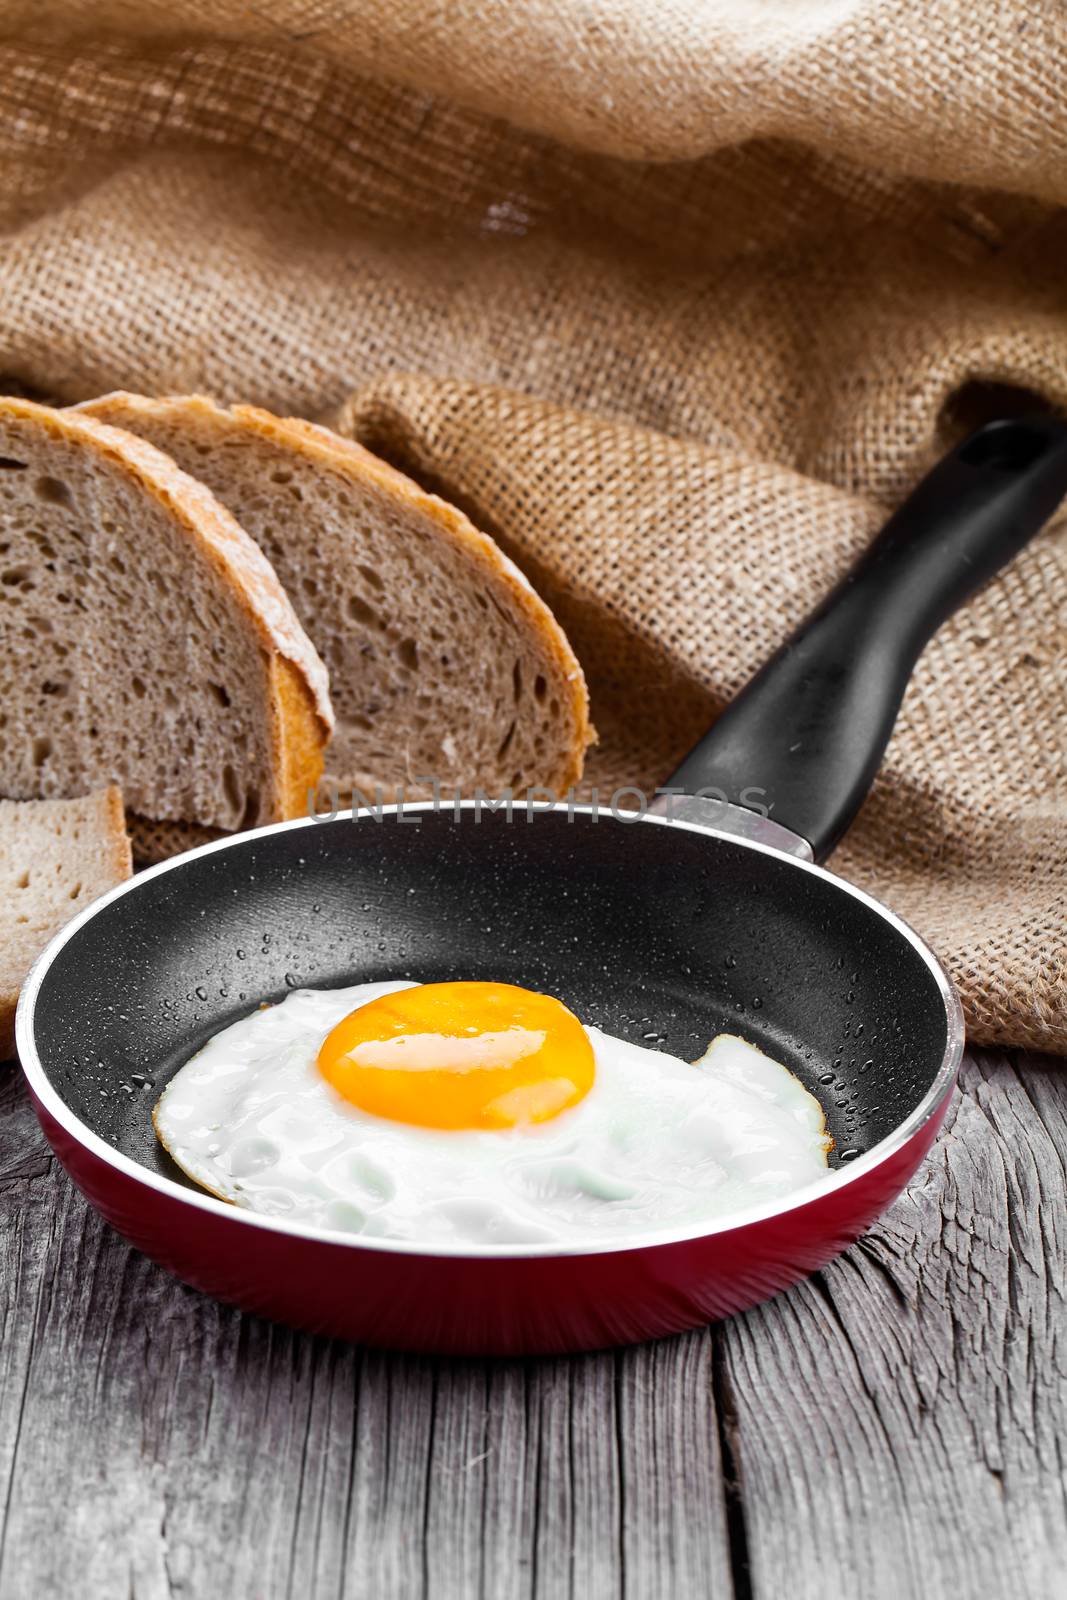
pixel 656 932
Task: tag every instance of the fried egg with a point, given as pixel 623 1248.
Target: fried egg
pixel 481 1113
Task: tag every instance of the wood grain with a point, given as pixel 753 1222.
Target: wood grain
pixel 900 1420
pixel 891 1429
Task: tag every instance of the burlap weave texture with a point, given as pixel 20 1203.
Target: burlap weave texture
pixel 679 331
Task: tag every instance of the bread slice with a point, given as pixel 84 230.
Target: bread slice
pixel 56 856
pixel 144 638
pixel 444 663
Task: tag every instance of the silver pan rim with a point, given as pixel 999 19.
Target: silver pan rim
pixel 52 1103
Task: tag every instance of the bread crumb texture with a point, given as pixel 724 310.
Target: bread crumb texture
pixel 56 858
pixel 145 637
pixel 445 666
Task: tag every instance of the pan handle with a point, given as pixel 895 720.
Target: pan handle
pixel 802 743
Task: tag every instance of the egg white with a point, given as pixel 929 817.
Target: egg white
pixel 656 1141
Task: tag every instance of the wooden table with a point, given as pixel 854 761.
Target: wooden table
pixel 895 1427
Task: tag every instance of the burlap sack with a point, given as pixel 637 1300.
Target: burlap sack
pixel 678 331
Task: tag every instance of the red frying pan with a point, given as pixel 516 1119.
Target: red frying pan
pixel 715 920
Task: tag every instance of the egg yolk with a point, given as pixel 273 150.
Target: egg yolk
pixel 460 1055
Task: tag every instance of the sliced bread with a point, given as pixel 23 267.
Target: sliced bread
pixel 144 638
pixel 444 664
pixel 56 856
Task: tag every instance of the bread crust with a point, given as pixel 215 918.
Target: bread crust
pixel 300 715
pixel 352 459
pixel 117 836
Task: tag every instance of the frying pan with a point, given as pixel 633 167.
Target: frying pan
pixel 706 914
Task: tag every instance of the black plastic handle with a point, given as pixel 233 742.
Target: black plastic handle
pixel 804 740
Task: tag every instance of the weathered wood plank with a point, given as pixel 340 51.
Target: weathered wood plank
pixel 155 1444
pixel 895 1425
pixel 900 1422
